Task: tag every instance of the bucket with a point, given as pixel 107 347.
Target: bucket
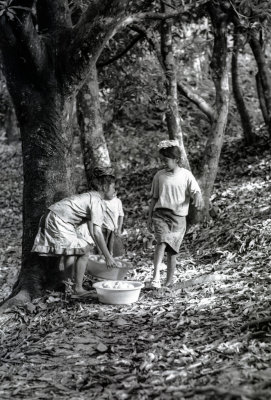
pixel 118 292
pixel 97 267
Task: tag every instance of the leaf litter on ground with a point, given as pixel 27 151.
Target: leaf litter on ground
pixel 208 338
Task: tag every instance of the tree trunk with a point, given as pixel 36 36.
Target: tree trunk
pixel 172 113
pixel 220 65
pixel 265 81
pixel 11 125
pixel 45 118
pixel 249 135
pixel 261 98
pixel 8 120
pixel 94 148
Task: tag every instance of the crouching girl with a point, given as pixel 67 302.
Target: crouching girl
pixel 58 233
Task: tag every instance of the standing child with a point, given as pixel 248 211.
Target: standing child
pixel 112 226
pixel 171 190
pixel 58 231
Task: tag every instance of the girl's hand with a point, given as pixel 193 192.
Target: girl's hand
pixel 149 225
pixel 110 262
pixel 198 201
pixel 118 232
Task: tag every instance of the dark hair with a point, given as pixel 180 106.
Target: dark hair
pixel 171 152
pixel 102 176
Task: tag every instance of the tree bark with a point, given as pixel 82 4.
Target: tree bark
pixel 264 76
pixel 11 125
pixel 261 98
pixel 172 113
pixel 93 144
pixel 220 65
pixel 44 114
pixel 249 135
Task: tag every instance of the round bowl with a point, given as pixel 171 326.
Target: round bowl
pixel 96 267
pixel 118 292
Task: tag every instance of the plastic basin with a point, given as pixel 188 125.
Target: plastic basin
pixel 96 266
pixel 109 295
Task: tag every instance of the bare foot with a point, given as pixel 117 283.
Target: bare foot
pixel 81 292
pixel 169 284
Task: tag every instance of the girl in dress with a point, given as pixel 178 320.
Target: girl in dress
pixel 59 235
pixel 172 188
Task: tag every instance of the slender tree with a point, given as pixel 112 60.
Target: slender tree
pixel 93 144
pixel 249 135
pixel 264 78
pixel 168 60
pixel 220 65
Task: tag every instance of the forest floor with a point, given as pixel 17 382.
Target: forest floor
pixel 209 338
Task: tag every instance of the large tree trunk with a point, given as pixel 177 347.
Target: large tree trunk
pixel 220 65
pixel 264 76
pixel 172 112
pixel 45 118
pixel 93 144
pixel 249 135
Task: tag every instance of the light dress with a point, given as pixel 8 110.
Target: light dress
pixel 58 232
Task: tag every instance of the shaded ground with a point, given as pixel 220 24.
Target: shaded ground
pixel 207 339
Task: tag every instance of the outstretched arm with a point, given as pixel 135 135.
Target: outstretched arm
pixel 99 239
pixel 120 223
pixel 198 201
pixel 151 207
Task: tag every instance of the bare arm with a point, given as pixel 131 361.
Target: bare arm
pixel 152 204
pixel 120 223
pixel 99 240
pixel 198 201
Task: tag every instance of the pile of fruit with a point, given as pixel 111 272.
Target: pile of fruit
pixel 120 262
pixel 117 285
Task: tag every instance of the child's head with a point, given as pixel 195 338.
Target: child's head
pixel 105 182
pixel 170 153
pixel 173 152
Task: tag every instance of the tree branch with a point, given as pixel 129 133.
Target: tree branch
pixel 133 42
pixel 96 27
pixel 184 90
pixel 197 100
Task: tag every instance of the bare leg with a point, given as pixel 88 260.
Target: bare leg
pixel 171 266
pixel 158 258
pixel 69 262
pixel 80 268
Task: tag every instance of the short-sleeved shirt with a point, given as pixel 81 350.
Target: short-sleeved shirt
pixel 173 190
pixel 79 208
pixel 114 210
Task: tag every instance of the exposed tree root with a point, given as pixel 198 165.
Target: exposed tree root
pixel 19 299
